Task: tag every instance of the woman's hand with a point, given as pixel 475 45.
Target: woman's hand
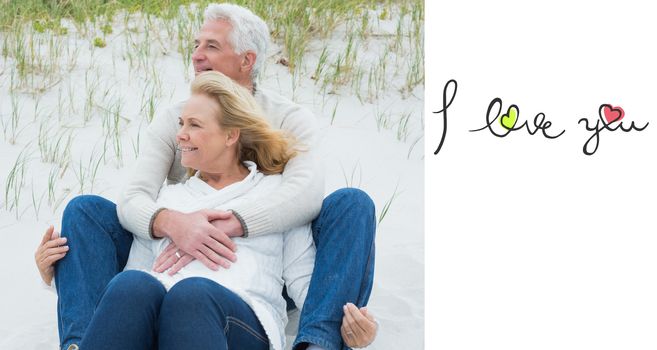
pixel 358 326
pixel 51 250
pixel 172 259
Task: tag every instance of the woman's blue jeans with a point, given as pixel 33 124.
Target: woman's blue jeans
pixel 344 264
pixel 136 312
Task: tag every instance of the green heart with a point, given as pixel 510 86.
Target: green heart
pixel 509 119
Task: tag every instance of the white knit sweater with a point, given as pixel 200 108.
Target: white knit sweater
pixel 264 263
pixel 295 202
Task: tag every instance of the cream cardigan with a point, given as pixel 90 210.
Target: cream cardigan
pixel 264 263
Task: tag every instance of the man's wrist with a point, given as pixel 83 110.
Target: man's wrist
pixel 155 228
pixel 245 231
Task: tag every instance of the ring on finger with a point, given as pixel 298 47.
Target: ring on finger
pixel 178 254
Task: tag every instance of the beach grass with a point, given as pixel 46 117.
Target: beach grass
pixel 293 22
pixel 60 59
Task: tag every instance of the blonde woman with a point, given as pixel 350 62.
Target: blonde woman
pixel 232 156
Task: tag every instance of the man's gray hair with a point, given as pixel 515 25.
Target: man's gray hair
pixel 250 32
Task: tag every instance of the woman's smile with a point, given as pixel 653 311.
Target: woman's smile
pixel 187 149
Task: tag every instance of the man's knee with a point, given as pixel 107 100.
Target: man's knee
pixel 352 199
pixel 347 215
pixel 86 214
pixel 86 204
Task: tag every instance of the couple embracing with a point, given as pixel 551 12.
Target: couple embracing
pixel 238 235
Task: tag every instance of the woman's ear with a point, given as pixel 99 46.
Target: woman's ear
pixel 232 136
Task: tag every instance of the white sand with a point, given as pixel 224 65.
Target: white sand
pixel 355 151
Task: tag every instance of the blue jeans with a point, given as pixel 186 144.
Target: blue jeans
pixel 136 312
pixel 344 266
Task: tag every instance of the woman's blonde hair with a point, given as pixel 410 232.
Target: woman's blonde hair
pixel 270 149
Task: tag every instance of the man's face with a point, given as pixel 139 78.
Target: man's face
pixel 214 52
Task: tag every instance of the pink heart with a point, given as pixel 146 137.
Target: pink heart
pixel 613 114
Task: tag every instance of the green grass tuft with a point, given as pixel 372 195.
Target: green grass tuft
pixel 99 42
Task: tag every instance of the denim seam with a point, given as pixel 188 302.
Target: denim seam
pixel 93 219
pixel 246 327
pixel 365 273
pixel 59 320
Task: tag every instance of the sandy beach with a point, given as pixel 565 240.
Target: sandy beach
pixel 72 124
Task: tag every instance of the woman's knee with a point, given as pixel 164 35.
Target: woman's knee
pixel 193 292
pixel 136 288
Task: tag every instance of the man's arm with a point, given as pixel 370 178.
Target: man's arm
pixel 136 204
pixel 298 199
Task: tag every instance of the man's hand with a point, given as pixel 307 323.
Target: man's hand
pixel 195 235
pixel 230 225
pixel 358 326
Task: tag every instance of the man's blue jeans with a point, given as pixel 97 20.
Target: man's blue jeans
pixel 344 266
pixel 136 312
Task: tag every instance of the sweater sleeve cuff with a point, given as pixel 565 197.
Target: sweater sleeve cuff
pixel 143 220
pixel 253 219
pixel 245 229
pixel 150 224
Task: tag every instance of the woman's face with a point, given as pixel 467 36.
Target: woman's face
pixel 202 141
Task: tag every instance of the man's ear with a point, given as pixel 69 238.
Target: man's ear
pixel 232 136
pixel 248 61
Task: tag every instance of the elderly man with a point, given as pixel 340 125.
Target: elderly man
pixel 233 41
